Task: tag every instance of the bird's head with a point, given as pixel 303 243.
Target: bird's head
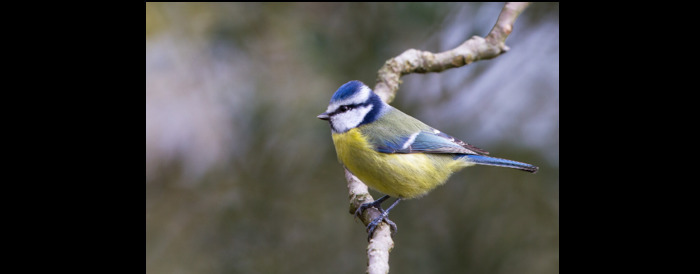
pixel 352 105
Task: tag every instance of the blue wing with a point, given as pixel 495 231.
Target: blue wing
pixel 427 142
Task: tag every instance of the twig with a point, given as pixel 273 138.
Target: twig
pixel 474 49
pixel 417 61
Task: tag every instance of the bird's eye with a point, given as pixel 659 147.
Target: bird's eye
pixel 343 108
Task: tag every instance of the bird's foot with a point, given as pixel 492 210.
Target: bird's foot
pixel 383 217
pixel 373 225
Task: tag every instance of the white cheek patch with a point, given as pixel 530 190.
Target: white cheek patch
pixel 343 122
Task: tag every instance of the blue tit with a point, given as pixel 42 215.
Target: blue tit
pixel 393 152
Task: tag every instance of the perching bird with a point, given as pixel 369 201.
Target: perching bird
pixel 393 152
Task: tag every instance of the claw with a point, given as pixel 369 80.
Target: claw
pixel 373 225
pixel 385 213
pixel 392 226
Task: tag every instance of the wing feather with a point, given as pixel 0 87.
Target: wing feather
pixel 428 142
pixel 397 132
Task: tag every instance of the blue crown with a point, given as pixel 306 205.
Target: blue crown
pixel 347 90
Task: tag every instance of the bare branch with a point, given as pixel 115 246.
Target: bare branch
pixel 381 243
pixel 417 61
pixel 474 49
pixel 504 25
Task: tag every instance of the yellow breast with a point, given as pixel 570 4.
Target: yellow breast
pixel 398 175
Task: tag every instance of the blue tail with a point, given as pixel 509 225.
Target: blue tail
pixel 491 161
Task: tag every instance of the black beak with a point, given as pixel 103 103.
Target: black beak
pixel 323 116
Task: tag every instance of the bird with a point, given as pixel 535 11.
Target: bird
pixel 395 153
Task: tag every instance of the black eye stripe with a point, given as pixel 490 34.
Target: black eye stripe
pixel 345 108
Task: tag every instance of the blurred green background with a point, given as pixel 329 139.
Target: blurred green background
pixel 241 177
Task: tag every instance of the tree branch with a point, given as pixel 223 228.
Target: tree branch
pixel 417 61
pixel 474 49
pixel 381 243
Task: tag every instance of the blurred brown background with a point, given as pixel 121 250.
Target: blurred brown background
pixel 241 177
